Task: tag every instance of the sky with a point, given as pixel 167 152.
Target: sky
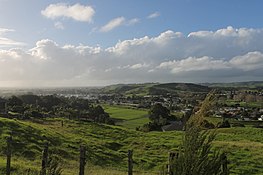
pixel 50 43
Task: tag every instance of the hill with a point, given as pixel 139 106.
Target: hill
pixel 154 88
pixel 108 145
pixel 249 84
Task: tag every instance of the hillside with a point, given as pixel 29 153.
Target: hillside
pixel 154 88
pixel 107 146
pixel 248 84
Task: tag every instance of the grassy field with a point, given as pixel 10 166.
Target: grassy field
pixel 108 145
pixel 127 117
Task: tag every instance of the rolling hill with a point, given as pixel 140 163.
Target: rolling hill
pixel 107 147
pixel 154 88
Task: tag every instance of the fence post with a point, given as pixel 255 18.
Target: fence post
pixel 44 160
pixel 130 162
pixel 8 155
pixel 224 163
pixel 82 160
pixel 171 157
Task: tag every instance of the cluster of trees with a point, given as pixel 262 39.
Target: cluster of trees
pixel 159 116
pixel 33 106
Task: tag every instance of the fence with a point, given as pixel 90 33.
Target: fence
pixel 82 160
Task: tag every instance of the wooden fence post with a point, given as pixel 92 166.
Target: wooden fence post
pixel 8 155
pixel 82 160
pixel 130 162
pixel 171 157
pixel 224 163
pixel 44 160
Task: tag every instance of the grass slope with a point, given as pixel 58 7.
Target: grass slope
pixel 154 88
pixel 249 84
pixel 107 146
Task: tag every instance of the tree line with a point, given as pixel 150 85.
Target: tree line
pixel 34 106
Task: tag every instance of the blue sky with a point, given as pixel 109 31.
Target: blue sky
pixel 100 42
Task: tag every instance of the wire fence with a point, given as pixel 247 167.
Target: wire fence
pixel 83 160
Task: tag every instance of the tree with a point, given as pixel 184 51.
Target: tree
pixel 159 114
pixel 14 101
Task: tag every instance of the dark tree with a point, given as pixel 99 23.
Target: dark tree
pixel 159 114
pixel 14 101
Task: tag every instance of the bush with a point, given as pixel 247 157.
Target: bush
pixel 196 156
pixel 224 124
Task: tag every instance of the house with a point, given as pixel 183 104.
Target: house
pixel 173 126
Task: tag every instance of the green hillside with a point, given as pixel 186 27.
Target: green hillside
pixel 249 84
pixel 177 87
pixel 128 89
pixel 154 88
pixel 107 146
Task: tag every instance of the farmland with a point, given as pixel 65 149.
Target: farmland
pixel 127 117
pixel 108 145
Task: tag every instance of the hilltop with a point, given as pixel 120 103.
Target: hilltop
pixel 154 88
pixel 239 85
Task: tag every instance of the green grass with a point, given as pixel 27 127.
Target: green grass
pixel 108 145
pixel 127 117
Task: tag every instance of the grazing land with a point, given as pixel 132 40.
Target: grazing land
pixel 127 117
pixel 108 145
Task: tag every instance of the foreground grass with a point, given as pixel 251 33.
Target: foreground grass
pixel 108 145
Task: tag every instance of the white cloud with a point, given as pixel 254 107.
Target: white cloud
pixel 116 22
pixel 77 12
pixel 59 25
pixel 7 42
pixel 133 21
pixel 139 66
pixel 154 15
pixel 224 55
pixel 248 62
pixel 4 30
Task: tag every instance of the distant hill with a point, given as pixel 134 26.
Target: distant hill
pixel 154 88
pixel 248 84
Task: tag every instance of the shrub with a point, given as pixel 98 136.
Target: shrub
pixel 224 124
pixel 196 156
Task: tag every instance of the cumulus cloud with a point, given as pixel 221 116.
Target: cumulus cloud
pixel 116 22
pixel 154 15
pixel 203 56
pixel 77 12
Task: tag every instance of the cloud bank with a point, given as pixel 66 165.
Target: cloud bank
pixel 226 55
